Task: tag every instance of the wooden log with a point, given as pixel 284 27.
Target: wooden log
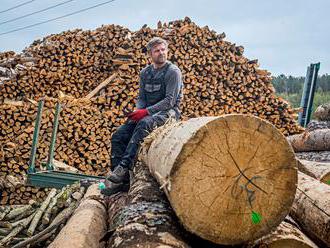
pixel 88 224
pixel 18 211
pixel 59 219
pixel 40 212
pixel 317 170
pixel 58 165
pixel 311 209
pixel 101 86
pixel 286 234
pixel 317 140
pixel 229 179
pixel 16 231
pixel 322 112
pixel 49 211
pixel 144 215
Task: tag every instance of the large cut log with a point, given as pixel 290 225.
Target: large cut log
pixel 322 113
pixel 229 179
pixel 317 170
pixel 317 140
pixel 311 208
pixel 287 234
pixel 87 225
pixel 143 218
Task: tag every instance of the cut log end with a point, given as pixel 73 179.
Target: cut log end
pixel 234 178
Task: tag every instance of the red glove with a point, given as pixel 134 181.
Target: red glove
pixel 138 114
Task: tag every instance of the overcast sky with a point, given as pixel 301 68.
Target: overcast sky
pixel 285 35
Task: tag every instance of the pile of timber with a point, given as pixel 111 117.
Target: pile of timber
pixel 314 143
pixel 82 142
pixel 223 185
pixel 218 78
pixel 11 65
pixel 35 222
pixel 15 192
pixel 230 180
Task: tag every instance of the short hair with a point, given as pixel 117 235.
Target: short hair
pixel 155 41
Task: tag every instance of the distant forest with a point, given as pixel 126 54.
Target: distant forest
pixel 292 85
pixel 290 88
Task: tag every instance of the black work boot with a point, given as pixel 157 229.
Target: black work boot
pixel 119 175
pixel 113 188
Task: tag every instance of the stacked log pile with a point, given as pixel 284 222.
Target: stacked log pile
pixel 38 222
pixel 314 143
pixel 82 142
pixel 218 78
pixel 197 182
pixel 14 191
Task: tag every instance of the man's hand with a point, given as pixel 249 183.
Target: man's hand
pixel 138 114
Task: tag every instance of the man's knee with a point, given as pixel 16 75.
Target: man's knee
pixel 122 134
pixel 146 123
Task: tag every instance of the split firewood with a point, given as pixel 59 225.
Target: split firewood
pixel 39 212
pixel 317 140
pixel 14 103
pixel 311 209
pixel 317 170
pixel 216 169
pixel 14 181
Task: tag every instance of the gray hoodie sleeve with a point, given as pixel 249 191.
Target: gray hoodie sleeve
pixel 141 102
pixel 173 85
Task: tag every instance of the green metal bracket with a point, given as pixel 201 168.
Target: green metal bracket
pixel 32 168
pixel 50 165
pixel 51 178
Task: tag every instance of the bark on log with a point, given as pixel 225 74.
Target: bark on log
pixel 322 156
pixel 87 225
pixel 144 217
pixel 311 209
pixel 286 235
pixel 317 170
pixel 314 125
pixel 317 140
pixel 221 174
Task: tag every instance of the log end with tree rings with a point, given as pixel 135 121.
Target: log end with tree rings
pixel 229 179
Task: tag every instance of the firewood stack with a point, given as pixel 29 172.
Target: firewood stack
pixel 35 222
pixel 218 78
pixel 82 142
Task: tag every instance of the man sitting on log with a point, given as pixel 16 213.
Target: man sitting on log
pixel 159 97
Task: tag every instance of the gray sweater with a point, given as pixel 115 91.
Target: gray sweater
pixel 160 89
